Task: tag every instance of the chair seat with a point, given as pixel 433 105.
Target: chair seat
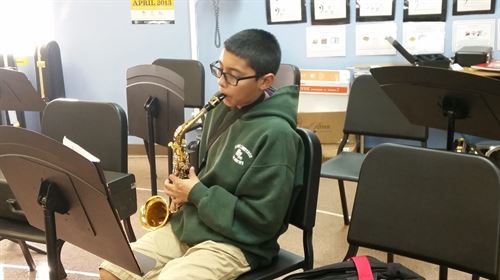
pixel 20 230
pixel 344 166
pixel 282 264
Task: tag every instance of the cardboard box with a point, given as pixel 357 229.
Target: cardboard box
pixel 330 150
pixel 327 125
pixel 324 81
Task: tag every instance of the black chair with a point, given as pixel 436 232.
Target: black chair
pixel 288 74
pixel 303 216
pixel 15 227
pixel 436 206
pixel 369 112
pixel 194 76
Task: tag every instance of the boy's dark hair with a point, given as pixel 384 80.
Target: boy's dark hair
pixel 258 47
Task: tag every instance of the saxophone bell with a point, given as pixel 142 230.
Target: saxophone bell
pixel 154 213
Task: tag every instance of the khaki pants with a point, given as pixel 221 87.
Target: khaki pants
pixel 176 260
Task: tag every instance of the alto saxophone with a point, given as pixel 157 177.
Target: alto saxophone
pixel 156 211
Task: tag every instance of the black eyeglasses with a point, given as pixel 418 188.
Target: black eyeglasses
pixel 230 79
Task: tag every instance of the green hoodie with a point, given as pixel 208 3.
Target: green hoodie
pixel 252 172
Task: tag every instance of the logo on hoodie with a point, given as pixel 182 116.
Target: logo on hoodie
pixel 240 154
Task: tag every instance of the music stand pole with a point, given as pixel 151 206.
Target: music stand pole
pixel 453 109
pixel 151 107
pixel 52 201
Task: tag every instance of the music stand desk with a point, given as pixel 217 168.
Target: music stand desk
pixel 42 173
pixel 444 99
pixel 17 93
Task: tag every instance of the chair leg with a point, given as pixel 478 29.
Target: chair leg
pixel 129 230
pixel 443 272
pixel 31 247
pixel 36 249
pixel 390 257
pixel 351 252
pixel 27 254
pixel 343 200
pixel 475 277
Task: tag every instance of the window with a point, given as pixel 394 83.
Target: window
pixel 25 25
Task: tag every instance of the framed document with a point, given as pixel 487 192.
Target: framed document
pixel 472 7
pixel 329 11
pixel 285 11
pixel 375 10
pixel 424 10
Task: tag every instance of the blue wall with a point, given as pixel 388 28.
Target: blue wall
pixel 98 44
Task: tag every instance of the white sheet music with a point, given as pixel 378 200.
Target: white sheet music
pixel 77 148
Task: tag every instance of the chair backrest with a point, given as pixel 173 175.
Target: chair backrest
pixel 288 74
pixel 194 76
pixel 437 206
pixel 371 112
pixel 98 127
pixel 303 213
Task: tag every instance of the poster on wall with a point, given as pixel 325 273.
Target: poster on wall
pixel 285 11
pixel 326 41
pixel 424 37
pixel 329 12
pixel 371 38
pixel 152 11
pixel 375 10
pixel 473 33
pixel 424 10
pixel 472 7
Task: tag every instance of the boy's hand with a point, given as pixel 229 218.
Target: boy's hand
pixel 178 189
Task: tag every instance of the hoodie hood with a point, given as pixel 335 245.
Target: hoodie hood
pixel 283 103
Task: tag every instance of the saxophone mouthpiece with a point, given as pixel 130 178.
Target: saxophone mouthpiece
pixel 221 96
pixel 214 101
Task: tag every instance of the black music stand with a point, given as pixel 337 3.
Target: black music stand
pixel 64 194
pixel 155 105
pixel 444 99
pixel 18 94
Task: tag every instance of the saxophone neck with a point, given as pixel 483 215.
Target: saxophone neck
pixel 183 128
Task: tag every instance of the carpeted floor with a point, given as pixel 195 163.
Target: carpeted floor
pixel 329 236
